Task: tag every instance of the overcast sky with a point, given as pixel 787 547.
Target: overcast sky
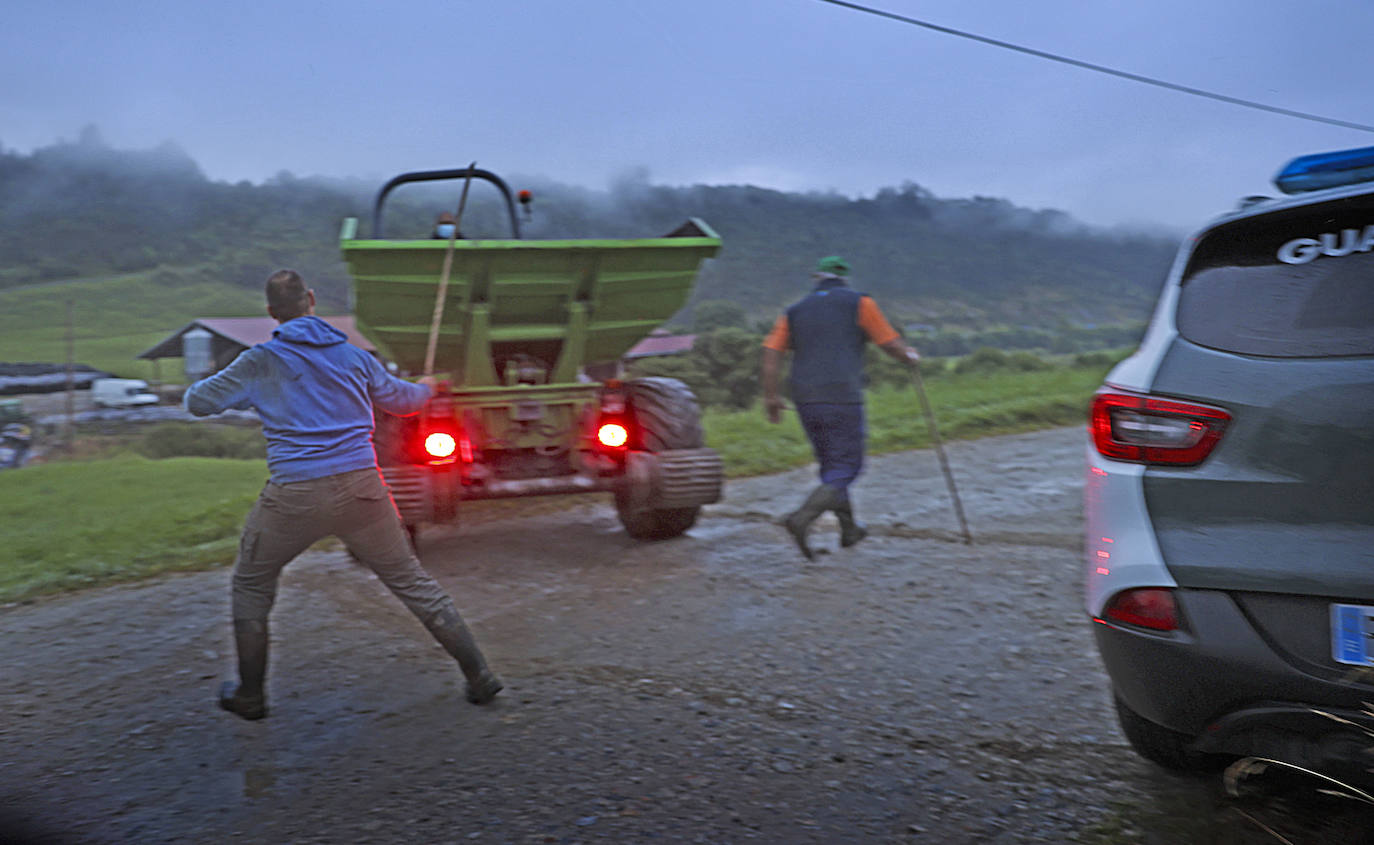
pixel 790 94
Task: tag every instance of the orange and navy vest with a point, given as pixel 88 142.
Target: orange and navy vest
pixel 827 345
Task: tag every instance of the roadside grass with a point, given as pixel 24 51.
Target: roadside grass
pixel 138 506
pixel 114 318
pixel 966 407
pixel 82 523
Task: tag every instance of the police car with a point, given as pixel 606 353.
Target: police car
pixel 1230 491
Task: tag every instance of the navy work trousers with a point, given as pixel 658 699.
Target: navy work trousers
pixel 837 434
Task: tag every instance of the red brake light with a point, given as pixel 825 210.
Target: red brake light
pixel 613 435
pixel 1148 607
pixel 440 444
pixel 1150 430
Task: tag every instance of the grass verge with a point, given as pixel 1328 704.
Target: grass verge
pixel 87 522
pixel 83 523
pixel 965 406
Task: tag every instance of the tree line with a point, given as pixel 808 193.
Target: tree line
pixel 722 367
pixel 81 209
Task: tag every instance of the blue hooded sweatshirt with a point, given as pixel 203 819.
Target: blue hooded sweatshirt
pixel 315 393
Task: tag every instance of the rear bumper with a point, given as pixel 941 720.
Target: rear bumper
pixel 1222 682
pixel 678 478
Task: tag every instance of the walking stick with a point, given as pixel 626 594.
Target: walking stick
pixel 442 293
pixel 940 452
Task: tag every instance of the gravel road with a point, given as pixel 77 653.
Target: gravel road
pixel 713 688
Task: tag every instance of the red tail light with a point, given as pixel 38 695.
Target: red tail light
pixel 613 435
pixel 612 425
pixel 440 444
pixel 1149 607
pixel 1150 430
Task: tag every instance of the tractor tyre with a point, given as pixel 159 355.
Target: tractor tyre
pixel 666 417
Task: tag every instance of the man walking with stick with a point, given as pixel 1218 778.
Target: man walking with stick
pixel 826 332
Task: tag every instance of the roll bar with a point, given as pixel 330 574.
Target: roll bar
pixel 438 175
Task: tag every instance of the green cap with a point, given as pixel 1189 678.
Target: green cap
pixel 833 264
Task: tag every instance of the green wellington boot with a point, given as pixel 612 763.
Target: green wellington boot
pixel 851 530
pixel 798 522
pixel 246 699
pixel 453 634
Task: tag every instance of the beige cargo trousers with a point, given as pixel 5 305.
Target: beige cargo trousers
pixel 357 508
pixel 354 506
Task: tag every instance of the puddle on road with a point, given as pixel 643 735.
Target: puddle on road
pixel 713 527
pixel 258 781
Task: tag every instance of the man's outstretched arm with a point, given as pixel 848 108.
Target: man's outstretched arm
pixel 225 390
pixel 902 353
pixel 394 395
pixel 880 331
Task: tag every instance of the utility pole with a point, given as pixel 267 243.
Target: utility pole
pixel 67 435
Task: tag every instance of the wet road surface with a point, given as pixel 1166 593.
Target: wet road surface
pixel 713 688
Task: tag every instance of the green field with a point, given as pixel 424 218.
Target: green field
pixel 966 406
pixel 82 523
pixel 76 524
pixel 115 318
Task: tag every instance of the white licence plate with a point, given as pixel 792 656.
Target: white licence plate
pixel 1352 627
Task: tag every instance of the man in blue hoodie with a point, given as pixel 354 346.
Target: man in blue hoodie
pixel 315 394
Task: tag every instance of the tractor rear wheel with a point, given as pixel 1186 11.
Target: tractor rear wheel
pixel 666 417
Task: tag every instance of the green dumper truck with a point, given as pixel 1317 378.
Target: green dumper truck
pixel 519 324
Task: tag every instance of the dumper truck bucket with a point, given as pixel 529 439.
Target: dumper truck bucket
pixel 565 303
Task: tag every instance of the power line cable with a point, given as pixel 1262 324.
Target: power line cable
pixel 1134 77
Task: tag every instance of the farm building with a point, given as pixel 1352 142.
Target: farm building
pixel 209 344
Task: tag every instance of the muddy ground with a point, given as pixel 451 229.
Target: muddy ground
pixel 714 688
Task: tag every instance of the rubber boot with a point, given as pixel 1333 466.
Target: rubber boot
pixel 246 699
pixel 453 634
pixel 798 522
pixel 851 530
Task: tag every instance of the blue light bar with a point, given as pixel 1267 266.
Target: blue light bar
pixel 1326 170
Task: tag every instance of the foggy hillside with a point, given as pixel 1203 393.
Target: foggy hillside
pixel 81 209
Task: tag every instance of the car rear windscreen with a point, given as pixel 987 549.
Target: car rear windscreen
pixel 1292 284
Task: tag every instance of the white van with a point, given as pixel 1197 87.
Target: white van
pixel 121 393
